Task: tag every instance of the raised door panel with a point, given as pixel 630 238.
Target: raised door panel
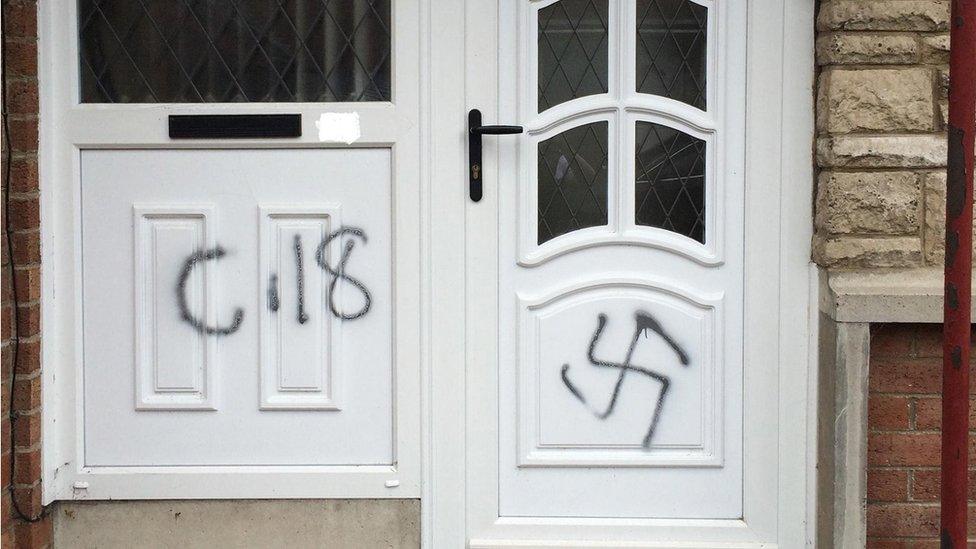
pixel 174 362
pixel 620 372
pixel 300 348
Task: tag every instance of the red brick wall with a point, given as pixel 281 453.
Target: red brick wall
pixel 904 416
pixel 20 49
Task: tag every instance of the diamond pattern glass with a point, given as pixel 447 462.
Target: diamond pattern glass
pixel 670 181
pixel 572 51
pixel 671 48
pixel 203 51
pixel 572 181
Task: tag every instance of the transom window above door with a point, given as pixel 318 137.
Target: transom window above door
pixel 617 99
pixel 221 51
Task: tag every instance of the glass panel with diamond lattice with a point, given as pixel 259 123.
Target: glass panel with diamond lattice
pixel 573 181
pixel 670 181
pixel 671 48
pixel 572 51
pixel 204 51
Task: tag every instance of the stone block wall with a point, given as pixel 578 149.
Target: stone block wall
pixel 882 94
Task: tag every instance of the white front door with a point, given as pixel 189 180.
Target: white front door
pixel 621 309
pixel 619 261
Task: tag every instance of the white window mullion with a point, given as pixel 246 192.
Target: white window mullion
pixel 624 62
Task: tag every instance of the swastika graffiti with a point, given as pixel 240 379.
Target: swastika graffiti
pixel 643 324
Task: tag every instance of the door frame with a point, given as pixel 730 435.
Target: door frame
pixel 779 509
pixel 68 126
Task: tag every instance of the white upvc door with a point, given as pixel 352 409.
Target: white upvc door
pixel 225 315
pixel 636 286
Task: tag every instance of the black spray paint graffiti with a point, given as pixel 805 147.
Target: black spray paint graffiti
pixel 300 263
pixel 274 302
pixel 199 325
pixel 339 271
pixel 336 273
pixel 644 323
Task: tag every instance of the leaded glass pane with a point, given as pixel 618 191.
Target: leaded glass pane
pixel 572 51
pixel 203 51
pixel 670 180
pixel 573 181
pixel 671 45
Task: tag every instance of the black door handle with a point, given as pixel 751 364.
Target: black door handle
pixel 496 130
pixel 475 131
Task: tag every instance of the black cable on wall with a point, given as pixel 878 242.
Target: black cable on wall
pixel 15 328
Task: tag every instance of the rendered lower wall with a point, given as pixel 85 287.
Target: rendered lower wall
pixel 295 524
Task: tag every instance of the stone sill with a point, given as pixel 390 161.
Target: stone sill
pixel 903 295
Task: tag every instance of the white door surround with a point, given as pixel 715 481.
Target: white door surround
pixel 448 53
